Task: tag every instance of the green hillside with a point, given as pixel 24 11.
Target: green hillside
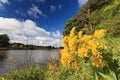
pixel 97 14
pixel 107 17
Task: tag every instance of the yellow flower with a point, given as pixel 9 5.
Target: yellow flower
pixel 85 46
pixel 73 44
pixel 65 41
pixel 80 34
pixel 83 52
pixel 95 52
pixel 102 46
pixel 72 32
pixel 86 38
pixel 97 59
pixel 98 62
pixel 92 43
pixel 66 57
pixel 99 33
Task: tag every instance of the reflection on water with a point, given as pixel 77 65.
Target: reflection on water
pixel 13 59
pixel 3 55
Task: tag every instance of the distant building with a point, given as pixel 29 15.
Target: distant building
pixel 18 45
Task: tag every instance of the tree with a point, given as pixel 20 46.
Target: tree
pixel 4 40
pixel 73 22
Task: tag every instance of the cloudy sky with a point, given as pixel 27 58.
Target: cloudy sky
pixel 37 22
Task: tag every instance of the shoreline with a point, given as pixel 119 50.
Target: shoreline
pixel 5 49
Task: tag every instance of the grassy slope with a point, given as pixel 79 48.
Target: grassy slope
pixel 107 17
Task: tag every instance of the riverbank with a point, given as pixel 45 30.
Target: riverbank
pixel 26 48
pixel 57 72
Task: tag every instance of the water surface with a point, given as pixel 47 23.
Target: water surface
pixel 21 58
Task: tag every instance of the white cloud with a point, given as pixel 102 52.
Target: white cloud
pixel 52 8
pixel 60 6
pixel 27 32
pixel 56 35
pixel 35 12
pixel 4 1
pixel 81 2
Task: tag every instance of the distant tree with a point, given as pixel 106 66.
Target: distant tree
pixel 72 22
pixel 4 40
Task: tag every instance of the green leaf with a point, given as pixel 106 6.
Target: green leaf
pixel 2 78
pixel 110 76
pixel 96 76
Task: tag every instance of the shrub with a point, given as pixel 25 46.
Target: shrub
pixel 86 47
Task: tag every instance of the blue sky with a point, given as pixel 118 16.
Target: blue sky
pixel 38 22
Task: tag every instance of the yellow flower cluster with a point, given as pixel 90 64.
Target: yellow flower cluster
pixel 85 46
pixel 65 41
pixel 72 32
pixel 70 47
pixel 99 33
pixel 97 58
pixel 66 57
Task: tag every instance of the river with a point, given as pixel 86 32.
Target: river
pixel 16 59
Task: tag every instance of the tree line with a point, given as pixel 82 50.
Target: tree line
pixel 4 40
pixel 5 43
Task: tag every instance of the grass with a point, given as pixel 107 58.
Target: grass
pixel 44 73
pixel 56 73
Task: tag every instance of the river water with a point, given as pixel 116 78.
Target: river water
pixel 20 58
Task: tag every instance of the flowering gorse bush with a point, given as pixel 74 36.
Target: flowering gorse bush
pixel 84 46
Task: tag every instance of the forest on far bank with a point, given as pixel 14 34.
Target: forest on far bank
pixel 6 45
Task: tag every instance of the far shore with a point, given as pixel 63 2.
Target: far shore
pixel 29 48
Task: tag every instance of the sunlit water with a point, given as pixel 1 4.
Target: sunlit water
pixel 21 58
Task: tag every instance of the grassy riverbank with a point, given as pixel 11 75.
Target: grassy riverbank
pixel 58 72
